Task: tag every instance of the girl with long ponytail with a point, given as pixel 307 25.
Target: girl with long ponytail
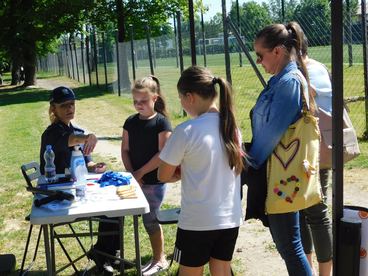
pixel 208 150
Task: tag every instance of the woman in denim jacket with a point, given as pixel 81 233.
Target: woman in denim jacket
pixel 279 105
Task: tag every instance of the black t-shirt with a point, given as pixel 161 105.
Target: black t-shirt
pixel 57 135
pixel 143 141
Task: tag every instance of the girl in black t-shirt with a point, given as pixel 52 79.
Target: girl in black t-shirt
pixel 144 135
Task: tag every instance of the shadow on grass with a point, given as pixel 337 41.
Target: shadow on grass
pixel 93 270
pixel 20 95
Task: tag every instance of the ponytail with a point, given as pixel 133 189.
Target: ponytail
pixel 228 129
pixel 297 38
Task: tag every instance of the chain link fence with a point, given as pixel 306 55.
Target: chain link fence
pixel 97 59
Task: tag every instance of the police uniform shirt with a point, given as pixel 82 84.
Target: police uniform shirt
pixel 57 135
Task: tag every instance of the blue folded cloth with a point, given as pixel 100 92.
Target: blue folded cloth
pixel 110 178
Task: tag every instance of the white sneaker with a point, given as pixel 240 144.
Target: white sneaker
pixel 156 266
pixel 147 265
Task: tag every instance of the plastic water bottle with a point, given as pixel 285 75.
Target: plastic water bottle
pixel 78 172
pixel 50 170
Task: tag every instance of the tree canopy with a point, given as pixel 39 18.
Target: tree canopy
pixel 31 27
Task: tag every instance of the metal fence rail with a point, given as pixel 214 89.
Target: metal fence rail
pixel 97 59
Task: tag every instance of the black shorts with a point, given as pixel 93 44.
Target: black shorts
pixel 195 248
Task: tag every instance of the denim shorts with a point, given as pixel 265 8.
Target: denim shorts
pixel 154 195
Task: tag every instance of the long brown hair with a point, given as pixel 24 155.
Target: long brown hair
pixel 151 84
pixel 290 36
pixel 200 81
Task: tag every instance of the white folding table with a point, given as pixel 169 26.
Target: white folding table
pixel 99 202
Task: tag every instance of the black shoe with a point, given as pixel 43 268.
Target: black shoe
pixel 116 263
pixel 97 258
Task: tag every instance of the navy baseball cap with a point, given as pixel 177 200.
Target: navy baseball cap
pixel 61 94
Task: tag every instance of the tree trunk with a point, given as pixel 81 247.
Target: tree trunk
pixel 123 62
pixel 15 71
pixel 29 57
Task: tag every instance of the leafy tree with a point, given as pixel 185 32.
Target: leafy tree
pixel 275 8
pixel 253 17
pixel 314 18
pixel 29 27
pixel 214 26
pixel 141 14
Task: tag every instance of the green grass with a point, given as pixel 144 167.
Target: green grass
pixel 23 119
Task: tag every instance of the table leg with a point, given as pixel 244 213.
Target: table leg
pixel 121 241
pixel 137 248
pixel 47 249
pixel 52 249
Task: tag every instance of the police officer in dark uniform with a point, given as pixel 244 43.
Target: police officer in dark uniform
pixel 63 136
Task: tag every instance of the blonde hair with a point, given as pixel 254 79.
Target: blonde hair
pixel 151 84
pixel 52 116
pixel 200 81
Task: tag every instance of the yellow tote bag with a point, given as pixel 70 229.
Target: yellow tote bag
pixel 293 168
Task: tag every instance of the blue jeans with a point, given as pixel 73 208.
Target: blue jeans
pixel 285 231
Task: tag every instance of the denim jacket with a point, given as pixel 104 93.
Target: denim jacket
pixel 278 106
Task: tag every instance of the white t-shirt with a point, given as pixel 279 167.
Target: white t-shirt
pixel 210 191
pixel 320 81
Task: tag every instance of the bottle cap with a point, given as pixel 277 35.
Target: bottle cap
pixel 48 147
pixel 76 151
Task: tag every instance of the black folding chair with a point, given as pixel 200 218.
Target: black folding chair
pixel 31 172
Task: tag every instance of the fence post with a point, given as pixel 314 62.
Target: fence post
pixel 337 126
pixel 154 53
pixel 203 40
pixel 180 46
pixel 192 33
pixel 76 58
pixel 176 41
pixel 132 49
pixel 71 55
pixel 149 48
pixel 104 58
pixel 365 56
pixel 239 30
pixel 82 56
pixel 95 54
pixel 60 62
pixel 226 42
pixel 67 56
pixel 349 33
pixel 117 60
pixel 88 44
